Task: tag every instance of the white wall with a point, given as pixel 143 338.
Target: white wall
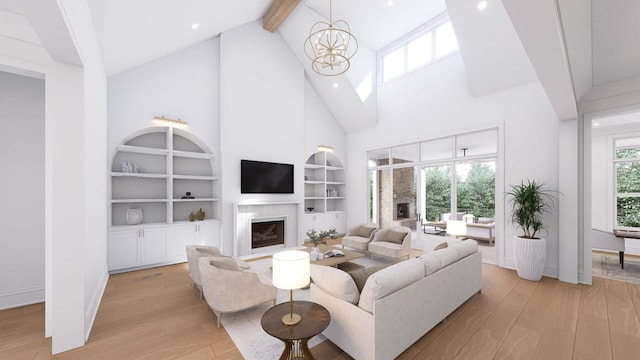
pixel 182 85
pixel 320 128
pixel 436 101
pixel 22 258
pixel 262 118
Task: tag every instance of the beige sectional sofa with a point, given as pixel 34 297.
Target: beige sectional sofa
pixel 398 304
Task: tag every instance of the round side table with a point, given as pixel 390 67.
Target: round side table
pixel 315 318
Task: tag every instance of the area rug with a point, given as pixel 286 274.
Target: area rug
pixel 245 329
pixel 608 266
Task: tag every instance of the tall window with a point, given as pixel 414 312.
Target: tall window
pixel 418 49
pixel 627 173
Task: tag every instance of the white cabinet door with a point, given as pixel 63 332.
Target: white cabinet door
pixel 336 220
pixel 122 249
pixel 313 221
pixel 154 245
pixel 208 233
pixel 181 236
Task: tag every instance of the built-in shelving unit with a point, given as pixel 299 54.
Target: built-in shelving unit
pixel 167 162
pixel 324 192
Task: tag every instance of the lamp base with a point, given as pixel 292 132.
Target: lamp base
pixel 291 319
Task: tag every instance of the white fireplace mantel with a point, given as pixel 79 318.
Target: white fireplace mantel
pixel 245 212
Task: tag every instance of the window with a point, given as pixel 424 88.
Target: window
pixel 432 179
pixel 627 173
pixel 419 48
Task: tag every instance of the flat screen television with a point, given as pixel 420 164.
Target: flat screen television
pixel 259 177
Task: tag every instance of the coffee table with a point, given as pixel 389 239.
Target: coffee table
pixel 334 261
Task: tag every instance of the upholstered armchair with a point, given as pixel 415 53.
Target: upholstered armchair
pixel 394 242
pixel 194 252
pixel 228 288
pixel 358 237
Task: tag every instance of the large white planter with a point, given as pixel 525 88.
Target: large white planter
pixel 529 256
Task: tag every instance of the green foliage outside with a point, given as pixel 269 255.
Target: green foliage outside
pixel 628 181
pixel 475 195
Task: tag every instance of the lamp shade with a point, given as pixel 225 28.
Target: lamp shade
pixel 456 227
pixel 291 269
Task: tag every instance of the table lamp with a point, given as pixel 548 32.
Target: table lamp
pixel 456 228
pixel 291 271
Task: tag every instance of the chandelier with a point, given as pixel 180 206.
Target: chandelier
pixel 330 46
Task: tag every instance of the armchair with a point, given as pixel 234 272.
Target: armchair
pixel 228 289
pixel 195 252
pixel 359 237
pixel 394 242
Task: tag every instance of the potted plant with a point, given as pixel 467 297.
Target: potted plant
pixel 530 202
pixel 319 238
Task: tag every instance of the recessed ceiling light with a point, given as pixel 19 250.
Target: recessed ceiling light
pixel 335 85
pixel 482 5
pixel 195 26
pixel 390 3
pixel 596 124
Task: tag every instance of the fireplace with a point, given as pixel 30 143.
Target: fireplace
pixel 267 233
pixel 402 210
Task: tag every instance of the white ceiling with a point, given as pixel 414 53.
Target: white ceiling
pixel 132 33
pixel 616 40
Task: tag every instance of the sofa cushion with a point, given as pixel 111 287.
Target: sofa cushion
pixel 364 231
pixel 442 245
pixel 390 280
pixel 225 262
pixel 431 263
pixel 466 248
pixel 360 275
pixel 395 236
pixel 446 256
pixel 335 282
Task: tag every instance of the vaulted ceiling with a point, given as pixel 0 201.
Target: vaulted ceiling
pixel 571 46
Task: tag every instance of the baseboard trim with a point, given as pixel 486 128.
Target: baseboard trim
pixel 92 309
pixel 21 297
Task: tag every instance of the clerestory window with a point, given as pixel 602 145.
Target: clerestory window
pixel 421 47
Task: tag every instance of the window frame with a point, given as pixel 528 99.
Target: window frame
pixel 616 194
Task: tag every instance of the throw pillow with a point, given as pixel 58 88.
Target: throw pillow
pixel 365 231
pixel 226 263
pixel 395 236
pixel 442 245
pixel 335 282
pixel 361 275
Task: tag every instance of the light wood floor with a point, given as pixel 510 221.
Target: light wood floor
pixel 156 314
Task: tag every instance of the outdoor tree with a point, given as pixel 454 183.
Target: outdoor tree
pixel 437 191
pixel 476 194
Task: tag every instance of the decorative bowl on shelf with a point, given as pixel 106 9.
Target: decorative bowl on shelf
pixel 134 216
pixel 310 209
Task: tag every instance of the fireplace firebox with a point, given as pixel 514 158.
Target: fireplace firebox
pixel 267 233
pixel 402 210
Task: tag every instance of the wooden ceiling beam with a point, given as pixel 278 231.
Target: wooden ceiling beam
pixel 278 13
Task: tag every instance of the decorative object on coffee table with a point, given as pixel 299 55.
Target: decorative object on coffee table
pixel 200 214
pixel 291 270
pixel 315 318
pixel 320 237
